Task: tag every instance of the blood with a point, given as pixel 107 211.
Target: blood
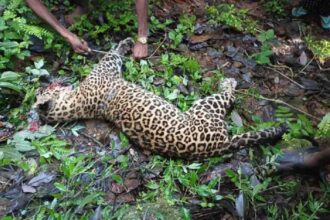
pixel 33 126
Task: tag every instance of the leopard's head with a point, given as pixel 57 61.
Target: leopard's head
pixel 47 100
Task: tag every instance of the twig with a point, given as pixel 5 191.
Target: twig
pixel 161 43
pixel 285 67
pixel 92 138
pixel 288 78
pixel 321 68
pixel 278 101
pixel 223 65
pixel 309 62
pixel 145 214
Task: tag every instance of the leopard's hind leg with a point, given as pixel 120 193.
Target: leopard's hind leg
pixel 111 63
pixel 215 106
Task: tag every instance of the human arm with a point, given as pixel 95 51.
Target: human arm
pixel 140 50
pixel 79 46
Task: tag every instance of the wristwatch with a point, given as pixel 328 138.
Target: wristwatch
pixel 142 40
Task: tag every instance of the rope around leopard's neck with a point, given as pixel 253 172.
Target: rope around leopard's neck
pixel 104 52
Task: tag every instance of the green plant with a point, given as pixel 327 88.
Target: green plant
pixel 72 166
pixel 15 32
pixel 181 177
pixel 185 27
pixel 324 127
pixel 254 193
pixel 175 69
pixel 209 85
pixel 156 25
pixel 320 48
pixel 308 209
pixel 265 38
pixel 118 17
pixel 276 7
pixel 229 15
pixel 299 125
pixel 10 80
pixel 51 146
pixel 24 141
pixel 37 70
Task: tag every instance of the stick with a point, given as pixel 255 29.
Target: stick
pixel 281 102
pixel 161 43
pixel 288 78
pixel 309 62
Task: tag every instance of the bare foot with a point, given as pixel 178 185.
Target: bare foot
pixel 77 12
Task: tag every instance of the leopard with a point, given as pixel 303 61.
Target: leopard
pixel 149 121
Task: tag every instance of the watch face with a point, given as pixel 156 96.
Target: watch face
pixel 142 40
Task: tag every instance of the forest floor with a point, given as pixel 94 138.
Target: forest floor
pixel 90 170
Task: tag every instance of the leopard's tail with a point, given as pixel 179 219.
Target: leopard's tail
pixel 257 137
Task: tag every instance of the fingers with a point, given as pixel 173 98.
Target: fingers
pixel 85 46
pixel 79 46
pixel 140 51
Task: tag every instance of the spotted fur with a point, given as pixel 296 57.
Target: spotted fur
pixel 153 123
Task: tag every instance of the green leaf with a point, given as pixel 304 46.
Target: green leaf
pixel 185 214
pixel 75 129
pixel 61 187
pixel 152 185
pixel 9 76
pixel 124 140
pixel 9 44
pixel 117 178
pixel 324 127
pixel 92 198
pixel 20 143
pixel 3 25
pixel 39 63
pixel 218 197
pixel 173 95
pixel 10 153
pixel 20 139
pixel 266 35
pixel 194 166
pixel 35 72
pixel 43 72
pixel 11 86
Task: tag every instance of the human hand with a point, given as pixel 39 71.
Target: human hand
pixel 140 51
pixel 78 45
